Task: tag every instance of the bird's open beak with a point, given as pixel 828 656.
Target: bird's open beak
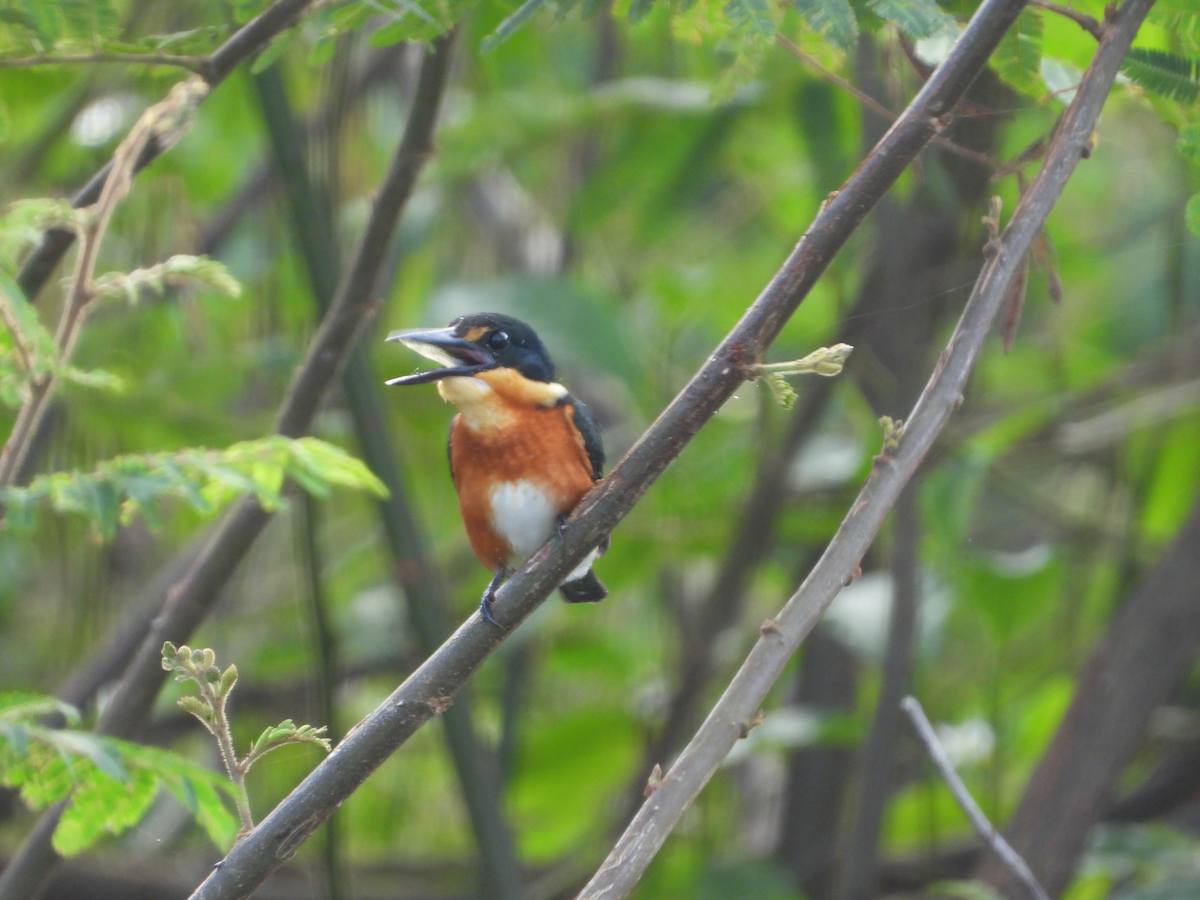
pixel 442 345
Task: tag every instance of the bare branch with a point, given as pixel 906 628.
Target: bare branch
pixel 404 534
pixel 193 63
pixel 430 690
pixel 745 694
pixel 875 106
pixel 984 828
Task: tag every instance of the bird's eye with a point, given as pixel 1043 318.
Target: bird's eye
pixel 498 340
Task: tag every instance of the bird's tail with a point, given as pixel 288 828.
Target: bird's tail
pixel 587 589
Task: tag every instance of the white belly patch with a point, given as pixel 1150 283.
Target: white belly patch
pixel 523 514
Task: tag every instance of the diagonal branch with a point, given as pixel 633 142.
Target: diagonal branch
pixel 213 68
pixel 430 690
pixel 193 596
pixel 984 828
pixel 404 533
pixel 736 709
pixel 164 122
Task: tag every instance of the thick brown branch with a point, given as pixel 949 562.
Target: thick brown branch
pixel 782 635
pixel 430 690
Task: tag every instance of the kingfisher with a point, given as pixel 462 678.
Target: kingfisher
pixel 523 451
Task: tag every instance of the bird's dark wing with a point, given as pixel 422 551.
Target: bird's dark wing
pixel 450 453
pixel 585 422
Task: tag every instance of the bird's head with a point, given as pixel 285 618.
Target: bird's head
pixel 477 343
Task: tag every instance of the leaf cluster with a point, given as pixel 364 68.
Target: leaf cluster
pixel 111 783
pixel 214 686
pixel 205 480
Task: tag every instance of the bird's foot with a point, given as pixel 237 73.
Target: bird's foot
pixel 559 521
pixel 485 605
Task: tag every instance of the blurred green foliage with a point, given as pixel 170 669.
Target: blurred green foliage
pixel 626 178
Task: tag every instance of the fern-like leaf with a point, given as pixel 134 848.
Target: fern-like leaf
pixel 511 23
pixel 1018 57
pixel 751 17
pixel 832 18
pixel 205 480
pixel 1168 74
pixel 917 18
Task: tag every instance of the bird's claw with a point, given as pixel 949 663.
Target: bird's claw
pixel 489 595
pixel 485 610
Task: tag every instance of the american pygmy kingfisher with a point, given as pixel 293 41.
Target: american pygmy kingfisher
pixel 523 451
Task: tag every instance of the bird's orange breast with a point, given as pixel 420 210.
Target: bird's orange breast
pixel 512 442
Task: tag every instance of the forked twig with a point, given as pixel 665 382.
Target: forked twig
pixel 983 827
pixel 165 122
pixel 875 106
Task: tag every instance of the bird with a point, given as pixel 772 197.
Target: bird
pixel 523 451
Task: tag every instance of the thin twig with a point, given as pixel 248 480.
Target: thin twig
pixel 1089 24
pixel 197 590
pixel 165 122
pixel 430 690
pixel 782 635
pixel 983 827
pixel 875 106
pixel 877 757
pixel 219 727
pixel 192 63
pixel 9 315
pixel 247 40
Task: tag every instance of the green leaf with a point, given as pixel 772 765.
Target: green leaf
pixel 245 10
pixel 16 706
pixel 639 9
pixel 101 805
pixel 832 18
pixel 1192 214
pixel 178 271
pixel 1189 142
pixel 1018 57
pixel 204 479
pixel 31 341
pixel 511 23
pixel 1168 74
pixel 398 29
pixel 1181 18
pixel 24 221
pixel 272 52
pixel 916 18
pixel 753 16
pixel 89 747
